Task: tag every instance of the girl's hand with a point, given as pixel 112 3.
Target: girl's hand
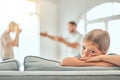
pixel 92 59
pixel 97 61
pixel 95 58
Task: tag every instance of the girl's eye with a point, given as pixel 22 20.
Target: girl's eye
pixel 83 47
pixel 92 51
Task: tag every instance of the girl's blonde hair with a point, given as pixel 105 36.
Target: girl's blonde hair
pixel 100 37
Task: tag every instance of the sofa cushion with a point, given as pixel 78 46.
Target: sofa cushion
pixel 34 63
pixel 9 65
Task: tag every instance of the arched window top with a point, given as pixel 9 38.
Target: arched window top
pixel 104 10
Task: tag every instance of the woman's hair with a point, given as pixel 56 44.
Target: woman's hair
pixel 12 23
pixel 100 37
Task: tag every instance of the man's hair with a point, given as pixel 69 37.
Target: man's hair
pixel 72 23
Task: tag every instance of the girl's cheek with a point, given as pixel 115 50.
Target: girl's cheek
pixel 95 54
pixel 83 54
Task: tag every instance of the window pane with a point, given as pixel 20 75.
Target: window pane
pixel 116 8
pixel 105 9
pixel 96 26
pixel 114 31
pixel 81 27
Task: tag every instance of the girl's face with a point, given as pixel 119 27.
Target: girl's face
pixel 90 49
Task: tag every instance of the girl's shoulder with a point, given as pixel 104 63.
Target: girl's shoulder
pixel 112 54
pixel 78 55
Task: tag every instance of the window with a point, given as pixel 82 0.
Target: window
pixel 116 8
pixel 114 31
pixel 107 9
pixel 95 26
pixel 80 26
pixel 96 12
pixel 24 13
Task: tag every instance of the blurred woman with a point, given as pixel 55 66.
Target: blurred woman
pixel 7 43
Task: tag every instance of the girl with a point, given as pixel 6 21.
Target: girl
pixel 94 48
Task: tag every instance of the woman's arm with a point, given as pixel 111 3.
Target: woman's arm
pixel 73 61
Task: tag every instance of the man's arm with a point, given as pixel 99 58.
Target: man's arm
pixel 61 39
pixel 69 44
pixel 44 34
pixel 51 37
pixel 73 45
pixel 73 61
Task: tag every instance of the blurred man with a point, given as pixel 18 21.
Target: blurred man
pixel 72 40
pixel 7 43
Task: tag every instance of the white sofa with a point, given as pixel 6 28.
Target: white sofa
pixel 37 68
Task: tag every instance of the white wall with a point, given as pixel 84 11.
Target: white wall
pixel 48 22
